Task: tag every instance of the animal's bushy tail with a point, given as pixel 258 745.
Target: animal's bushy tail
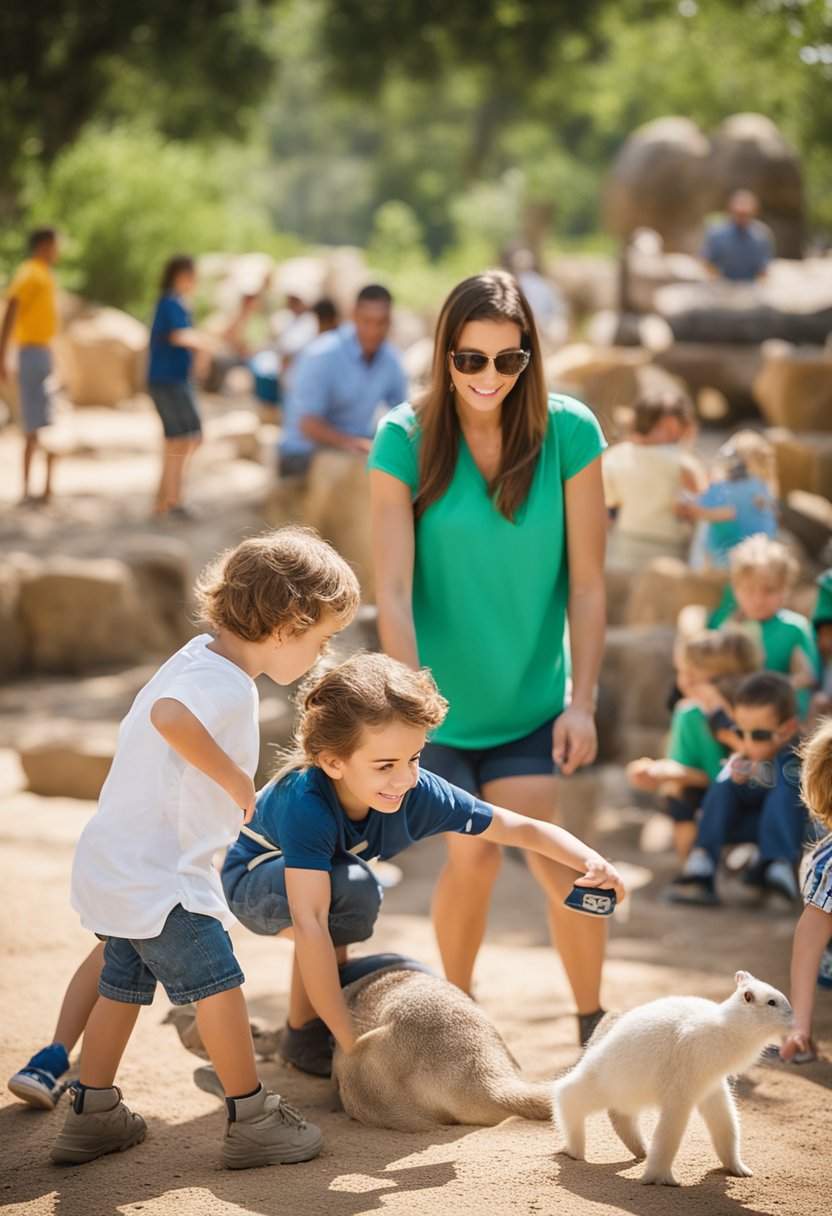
pixel 528 1099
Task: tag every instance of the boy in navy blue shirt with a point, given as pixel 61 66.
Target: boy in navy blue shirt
pixel 349 793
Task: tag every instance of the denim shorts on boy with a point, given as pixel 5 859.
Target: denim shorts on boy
pixel 176 406
pixel 472 768
pixel 33 367
pixel 192 958
pixel 256 894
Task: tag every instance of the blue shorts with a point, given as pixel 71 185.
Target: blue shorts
pixel 192 958
pixel 34 364
pixel 257 897
pixel 472 768
pixel 176 406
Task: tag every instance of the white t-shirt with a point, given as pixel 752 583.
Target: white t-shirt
pixel 160 821
pixel 643 481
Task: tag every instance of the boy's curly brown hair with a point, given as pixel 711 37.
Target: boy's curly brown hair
pixel 816 773
pixel 286 579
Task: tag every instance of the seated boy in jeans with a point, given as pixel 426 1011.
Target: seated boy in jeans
pixel 755 798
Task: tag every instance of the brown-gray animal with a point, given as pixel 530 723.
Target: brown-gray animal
pixel 427 1055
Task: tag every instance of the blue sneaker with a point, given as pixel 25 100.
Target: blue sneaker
pixel 38 1082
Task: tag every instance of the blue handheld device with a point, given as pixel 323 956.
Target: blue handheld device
pixel 593 901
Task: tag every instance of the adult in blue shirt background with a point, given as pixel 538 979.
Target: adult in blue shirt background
pixel 339 382
pixel 173 341
pixel 741 248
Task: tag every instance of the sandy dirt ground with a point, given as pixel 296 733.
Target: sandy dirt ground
pixel 512 1169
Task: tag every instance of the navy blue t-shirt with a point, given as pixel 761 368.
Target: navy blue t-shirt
pixel 300 816
pixel 169 364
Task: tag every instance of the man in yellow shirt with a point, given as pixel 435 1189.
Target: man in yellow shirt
pixel 32 318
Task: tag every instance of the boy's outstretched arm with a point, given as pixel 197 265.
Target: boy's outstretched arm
pixel 520 832
pixel 812 935
pixel 310 893
pixel 187 736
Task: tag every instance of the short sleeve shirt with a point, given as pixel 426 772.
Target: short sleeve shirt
pixel 643 481
pixel 739 254
pixel 817 881
pixel 160 820
pixel 300 817
pixel 33 287
pixel 778 637
pixel 755 511
pixel 490 594
pixel 692 742
pixel 333 380
pixel 169 364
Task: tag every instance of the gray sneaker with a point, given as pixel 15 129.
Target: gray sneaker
pixel 96 1123
pixel 265 1130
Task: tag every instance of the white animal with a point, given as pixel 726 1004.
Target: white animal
pixel 676 1053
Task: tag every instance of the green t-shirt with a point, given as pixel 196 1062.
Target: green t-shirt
pixel 777 638
pixel 692 741
pixel 489 595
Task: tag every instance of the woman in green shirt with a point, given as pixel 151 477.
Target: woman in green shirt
pixel 478 493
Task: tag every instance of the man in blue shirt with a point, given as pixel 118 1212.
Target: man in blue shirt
pixel 339 383
pixel 741 249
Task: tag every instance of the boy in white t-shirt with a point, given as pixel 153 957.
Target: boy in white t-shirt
pixel 180 785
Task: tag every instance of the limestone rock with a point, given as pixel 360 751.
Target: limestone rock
pixel 804 461
pixel 239 430
pixel 727 368
pixel 794 387
pixel 103 354
pixel 61 759
pixel 163 574
pixel 809 518
pixel 636 678
pixel 607 377
pixel 14 649
pixel 79 613
pixel 589 282
pixel 666 585
pixel 659 179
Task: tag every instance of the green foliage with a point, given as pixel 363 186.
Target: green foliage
pixel 128 199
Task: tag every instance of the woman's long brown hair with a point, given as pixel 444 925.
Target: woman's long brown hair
pixel 491 296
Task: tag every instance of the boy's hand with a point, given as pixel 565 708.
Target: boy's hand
pixel 796 1044
pixel 642 775
pixel 574 740
pixel 241 789
pixel 600 873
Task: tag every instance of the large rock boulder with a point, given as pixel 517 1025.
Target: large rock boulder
pixel 13 641
pixel 666 585
pixel 162 571
pixel 636 678
pixel 659 179
pixel 606 377
pixel 588 282
pixel 67 760
pixel 103 356
pixel 725 368
pixel 804 461
pixel 748 152
pixel 78 613
pixel 794 386
pixel 722 312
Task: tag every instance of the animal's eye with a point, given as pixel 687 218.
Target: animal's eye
pixel 772 1002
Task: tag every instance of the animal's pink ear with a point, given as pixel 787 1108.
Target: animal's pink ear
pixel 741 977
pixel 748 996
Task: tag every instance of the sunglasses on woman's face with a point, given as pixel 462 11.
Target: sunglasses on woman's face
pixel 507 363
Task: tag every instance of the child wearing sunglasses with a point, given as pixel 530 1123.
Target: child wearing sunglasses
pixel 756 797
pixel 812 950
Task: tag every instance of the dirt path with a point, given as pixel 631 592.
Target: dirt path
pixel 503 1171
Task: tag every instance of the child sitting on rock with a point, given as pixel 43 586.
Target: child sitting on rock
pixel 756 797
pixel 763 572
pixel 707 666
pixel 644 476
pixel 739 502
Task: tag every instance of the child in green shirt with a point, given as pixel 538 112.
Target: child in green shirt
pixel 706 667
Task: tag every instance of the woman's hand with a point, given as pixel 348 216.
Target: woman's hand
pixel 601 873
pixel 574 739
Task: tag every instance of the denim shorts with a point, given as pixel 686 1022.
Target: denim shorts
pixel 257 897
pixel 472 768
pixel 176 406
pixel 192 958
pixel 33 369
